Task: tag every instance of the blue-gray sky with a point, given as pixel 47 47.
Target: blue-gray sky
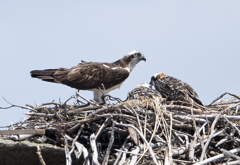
pixel 195 41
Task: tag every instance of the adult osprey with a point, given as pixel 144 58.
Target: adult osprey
pixel 174 89
pixel 93 75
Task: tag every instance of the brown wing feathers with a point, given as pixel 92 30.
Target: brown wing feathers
pixel 85 76
pixel 92 75
pixel 175 89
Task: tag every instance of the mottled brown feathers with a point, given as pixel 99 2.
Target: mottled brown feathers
pixel 174 89
pixel 161 75
pixel 142 92
pixel 85 76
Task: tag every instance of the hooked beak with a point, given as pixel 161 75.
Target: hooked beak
pixel 151 83
pixel 143 58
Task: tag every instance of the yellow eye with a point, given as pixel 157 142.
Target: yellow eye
pixel 138 55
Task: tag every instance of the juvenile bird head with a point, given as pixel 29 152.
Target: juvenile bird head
pixel 157 76
pixel 143 85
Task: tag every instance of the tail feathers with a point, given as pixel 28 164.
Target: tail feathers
pixel 45 75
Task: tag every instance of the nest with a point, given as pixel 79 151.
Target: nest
pixel 144 129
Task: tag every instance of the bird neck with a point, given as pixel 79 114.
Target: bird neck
pixel 121 63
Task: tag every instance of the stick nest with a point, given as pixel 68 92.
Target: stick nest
pixel 144 129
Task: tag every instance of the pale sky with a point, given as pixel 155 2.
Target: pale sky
pixel 194 41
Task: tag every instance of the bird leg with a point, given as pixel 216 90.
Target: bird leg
pixel 103 97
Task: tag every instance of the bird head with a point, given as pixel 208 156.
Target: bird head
pixel 143 85
pixel 133 58
pixel 155 77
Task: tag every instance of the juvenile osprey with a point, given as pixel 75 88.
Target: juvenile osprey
pixel 93 75
pixel 174 89
pixel 143 91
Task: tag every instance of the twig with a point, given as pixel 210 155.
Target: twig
pixel 40 156
pixel 189 118
pixel 232 125
pixel 109 145
pixel 41 114
pixel 123 148
pixel 124 155
pixel 87 100
pixel 79 146
pixel 229 154
pixel 211 135
pixel 94 149
pixel 183 108
pixel 166 157
pixel 12 105
pixel 102 126
pixel 135 154
pixel 224 95
pixel 216 157
pixel 145 141
pixel 67 154
pixel 178 151
pixel 75 139
pixel 237 162
pixel 212 117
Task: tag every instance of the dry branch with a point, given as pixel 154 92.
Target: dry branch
pixel 40 156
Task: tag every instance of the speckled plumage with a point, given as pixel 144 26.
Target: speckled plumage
pixel 143 91
pixel 174 89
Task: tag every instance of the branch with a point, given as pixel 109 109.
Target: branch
pixel 210 137
pixel 40 156
pixel 94 149
pixel 141 135
pixel 216 157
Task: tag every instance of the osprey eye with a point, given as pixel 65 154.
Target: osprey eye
pixel 138 55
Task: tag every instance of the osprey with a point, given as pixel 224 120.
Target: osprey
pixel 143 91
pixel 174 89
pixel 93 76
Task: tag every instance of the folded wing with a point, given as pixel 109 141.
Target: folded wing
pixel 85 76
